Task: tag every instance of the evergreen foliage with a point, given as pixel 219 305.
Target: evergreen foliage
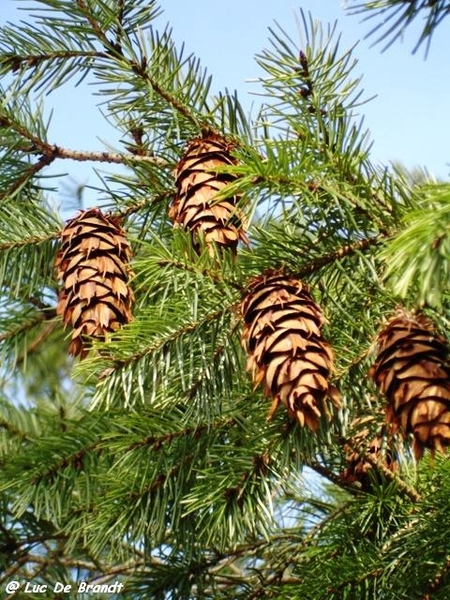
pixel 151 461
pixel 394 16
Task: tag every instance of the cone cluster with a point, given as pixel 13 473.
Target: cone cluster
pixel 93 263
pixel 412 369
pixel 286 350
pixel 198 180
pixel 282 333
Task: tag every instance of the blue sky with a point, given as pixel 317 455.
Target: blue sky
pixel 408 118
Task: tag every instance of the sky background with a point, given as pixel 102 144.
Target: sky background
pixel 408 120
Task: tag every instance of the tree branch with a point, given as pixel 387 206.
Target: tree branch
pixel 330 475
pixel 158 441
pixel 160 343
pixel 39 318
pixel 17 61
pixel 29 240
pixel 96 27
pixel 403 487
pixel 50 152
pixel 74 460
pixel 30 172
pixel 115 49
pixel 438 580
pixel 205 371
pixel 338 254
pixel 370 575
pixel 217 277
pixel 100 156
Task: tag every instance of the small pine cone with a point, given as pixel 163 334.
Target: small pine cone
pixel 93 263
pixel 358 452
pixel 412 369
pixel 197 182
pixel 282 336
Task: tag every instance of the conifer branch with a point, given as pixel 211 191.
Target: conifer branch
pixel 13 569
pixel 330 475
pixel 28 325
pixel 157 442
pixel 130 567
pixel 217 353
pixel 403 487
pixel 396 15
pixel 96 26
pixel 115 48
pixel 39 339
pixel 50 152
pixel 161 479
pixel 215 276
pixel 141 71
pixel 338 254
pixel 178 106
pixel 4 246
pixel 74 460
pixel 11 429
pixel 19 61
pixel 294 545
pixel 355 581
pixel 135 207
pixel 100 156
pixel 180 480
pixel 160 343
pixel 260 464
pixel 439 580
pixel 28 173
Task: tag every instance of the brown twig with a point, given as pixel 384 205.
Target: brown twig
pixel 330 475
pixel 94 24
pixel 101 156
pixel 16 61
pixel 12 570
pixel 43 161
pixel 50 152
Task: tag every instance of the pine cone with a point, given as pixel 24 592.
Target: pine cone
pixel 357 453
pixel 93 263
pixel 287 352
pixel 412 369
pixel 198 181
